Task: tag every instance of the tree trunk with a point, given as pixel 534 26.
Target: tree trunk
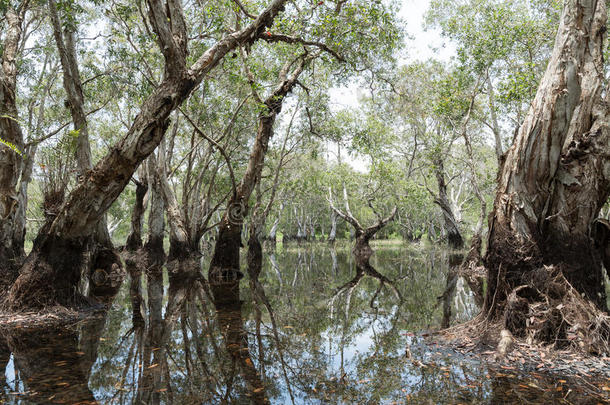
pixel 224 266
pixel 554 180
pixel 72 83
pixel 494 120
pixel 11 147
pixel 133 251
pixel 272 237
pixel 362 251
pixel 51 270
pixel 454 237
pixel 332 235
pixel 24 182
pixel 154 253
pixel 184 255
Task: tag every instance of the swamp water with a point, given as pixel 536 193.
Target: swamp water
pixel 293 338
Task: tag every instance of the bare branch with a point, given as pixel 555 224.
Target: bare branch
pixel 244 10
pixel 269 37
pixel 216 144
pixel 345 216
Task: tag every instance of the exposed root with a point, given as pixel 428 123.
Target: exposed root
pixel 560 315
pixel 547 309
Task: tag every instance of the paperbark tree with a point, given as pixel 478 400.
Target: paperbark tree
pixel 224 266
pixel 362 251
pixel 101 242
pixel 11 143
pixel 50 270
pixel 450 223
pixel 551 187
pixel 133 262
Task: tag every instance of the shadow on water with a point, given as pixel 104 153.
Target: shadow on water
pixel 283 335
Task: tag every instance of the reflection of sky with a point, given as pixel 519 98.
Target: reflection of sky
pixel 374 354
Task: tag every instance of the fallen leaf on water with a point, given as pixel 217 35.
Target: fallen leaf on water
pixel 257 390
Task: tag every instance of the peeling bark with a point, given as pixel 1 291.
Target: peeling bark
pixel 332 235
pixel 11 249
pixel 555 177
pixel 101 242
pixel 454 237
pixel 59 247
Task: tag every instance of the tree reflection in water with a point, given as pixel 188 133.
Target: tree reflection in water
pixel 274 340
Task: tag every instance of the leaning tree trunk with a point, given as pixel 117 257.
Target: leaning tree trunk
pixel 11 147
pixel 554 180
pixel 224 266
pixel 51 270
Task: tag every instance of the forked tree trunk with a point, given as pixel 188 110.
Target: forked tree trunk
pixel 555 177
pixel 51 270
pixel 362 250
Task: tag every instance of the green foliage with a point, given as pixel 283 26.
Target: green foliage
pixel 508 41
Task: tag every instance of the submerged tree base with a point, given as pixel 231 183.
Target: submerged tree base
pixel 547 310
pixel 51 273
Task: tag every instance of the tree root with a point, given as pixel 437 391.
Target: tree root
pixel 558 314
pixel 546 309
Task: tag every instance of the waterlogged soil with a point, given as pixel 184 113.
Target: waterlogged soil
pixel 296 337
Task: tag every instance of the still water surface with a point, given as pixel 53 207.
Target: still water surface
pixel 308 333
